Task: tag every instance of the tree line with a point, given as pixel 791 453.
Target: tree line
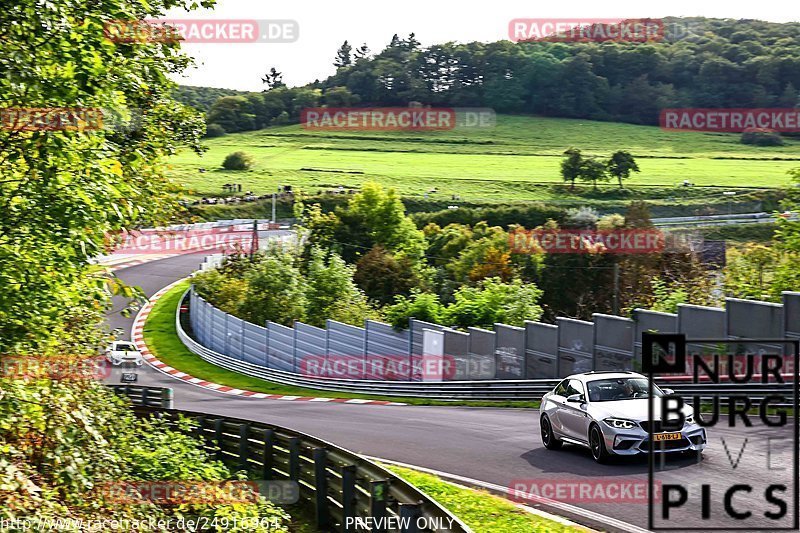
pixel 719 63
pixel 576 166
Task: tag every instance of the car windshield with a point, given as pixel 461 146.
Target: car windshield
pixel 609 390
pixel 126 348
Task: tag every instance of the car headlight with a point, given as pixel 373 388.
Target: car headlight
pixel 690 419
pixel 620 423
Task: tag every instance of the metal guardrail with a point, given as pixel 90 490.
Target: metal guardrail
pixel 721 220
pixel 145 396
pixel 339 484
pixel 527 389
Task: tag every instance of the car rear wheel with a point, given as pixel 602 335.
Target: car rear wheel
pixel 548 438
pixel 597 445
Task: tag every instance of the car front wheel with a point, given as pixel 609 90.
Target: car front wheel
pixel 548 438
pixel 598 445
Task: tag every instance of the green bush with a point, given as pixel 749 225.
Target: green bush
pixel 214 130
pixel 238 161
pixel 276 285
pixel 66 445
pixel 762 137
pixel 529 216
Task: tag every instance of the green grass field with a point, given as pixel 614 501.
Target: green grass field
pixel 508 162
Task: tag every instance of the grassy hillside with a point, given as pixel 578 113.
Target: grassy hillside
pixel 509 162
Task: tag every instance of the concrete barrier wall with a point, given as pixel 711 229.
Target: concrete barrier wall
pixel 575 346
pixel 653 322
pixel 535 351
pixel 613 342
pixel 541 348
pixel 509 352
pixel 700 322
pixel 791 314
pixel 752 319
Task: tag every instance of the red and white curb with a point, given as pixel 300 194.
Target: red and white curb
pixel 137 335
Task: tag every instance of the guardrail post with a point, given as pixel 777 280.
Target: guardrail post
pixel 266 344
pixel 218 437
pixel 244 446
pixel 144 396
pixel 166 398
pixel 409 512
pixel 321 487
pixel 378 490
pixel 269 441
pixel 348 494
pixel 199 431
pixel 294 458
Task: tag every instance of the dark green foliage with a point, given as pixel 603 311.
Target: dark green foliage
pixel 214 130
pixel 238 161
pixel 530 216
pixel 762 137
pixel 201 98
pixel 700 63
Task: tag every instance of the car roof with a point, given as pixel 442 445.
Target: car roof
pixel 605 374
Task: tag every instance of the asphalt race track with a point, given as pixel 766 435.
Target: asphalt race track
pixel 502 445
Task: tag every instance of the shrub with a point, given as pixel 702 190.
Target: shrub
pixel 214 130
pixel 66 444
pixel 581 218
pixel 238 161
pixel 420 305
pixel 493 301
pixel 761 137
pixel 281 119
pixel 529 216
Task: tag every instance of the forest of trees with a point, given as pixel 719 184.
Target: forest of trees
pixel 719 63
pixel 202 98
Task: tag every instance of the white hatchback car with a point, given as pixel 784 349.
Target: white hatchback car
pixel 120 352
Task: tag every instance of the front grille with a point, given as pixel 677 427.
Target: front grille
pixel 658 426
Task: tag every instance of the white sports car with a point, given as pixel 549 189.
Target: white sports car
pixel 123 352
pixel 607 412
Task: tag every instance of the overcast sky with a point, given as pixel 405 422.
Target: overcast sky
pixel 325 24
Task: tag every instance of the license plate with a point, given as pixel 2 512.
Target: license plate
pixel 666 436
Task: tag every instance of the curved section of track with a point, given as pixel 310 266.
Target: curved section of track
pixel 495 446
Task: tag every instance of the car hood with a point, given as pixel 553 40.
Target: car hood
pixel 125 353
pixel 636 410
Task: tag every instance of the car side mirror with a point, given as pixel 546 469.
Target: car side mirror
pixel 668 392
pixel 575 398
